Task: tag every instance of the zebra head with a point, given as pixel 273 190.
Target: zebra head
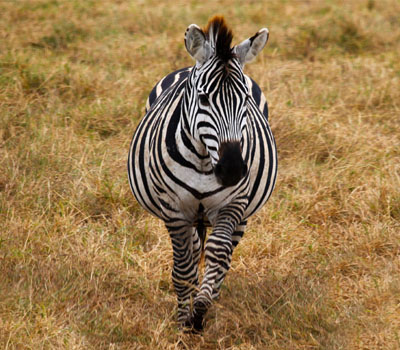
pixel 217 95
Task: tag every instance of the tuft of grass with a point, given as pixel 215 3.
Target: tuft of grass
pixel 84 267
pixel 62 35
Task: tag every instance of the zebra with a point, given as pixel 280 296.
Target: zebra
pixel 204 156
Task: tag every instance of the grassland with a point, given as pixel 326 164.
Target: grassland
pixel 82 266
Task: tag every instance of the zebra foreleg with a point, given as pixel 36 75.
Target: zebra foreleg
pixel 218 255
pixel 236 236
pixel 186 252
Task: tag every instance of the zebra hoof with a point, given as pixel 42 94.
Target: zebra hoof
pixel 198 324
pixel 187 326
pixel 199 310
pixel 192 325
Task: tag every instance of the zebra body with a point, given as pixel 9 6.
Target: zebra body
pixel 204 152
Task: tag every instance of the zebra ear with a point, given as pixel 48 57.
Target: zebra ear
pixel 247 50
pixel 197 44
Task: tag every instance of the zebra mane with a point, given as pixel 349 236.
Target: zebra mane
pixel 220 36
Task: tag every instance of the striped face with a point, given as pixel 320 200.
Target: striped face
pixel 218 111
pixel 216 99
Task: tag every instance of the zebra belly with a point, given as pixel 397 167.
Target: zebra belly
pixel 168 189
pixel 180 196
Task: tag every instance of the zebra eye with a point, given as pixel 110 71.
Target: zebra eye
pixel 204 100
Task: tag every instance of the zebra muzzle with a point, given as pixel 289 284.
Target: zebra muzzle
pixel 230 168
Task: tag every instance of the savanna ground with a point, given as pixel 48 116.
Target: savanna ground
pixel 84 267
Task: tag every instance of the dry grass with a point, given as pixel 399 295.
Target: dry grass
pixel 83 267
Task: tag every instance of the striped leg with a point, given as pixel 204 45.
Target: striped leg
pixel 218 254
pixel 237 235
pixel 186 247
pixel 197 250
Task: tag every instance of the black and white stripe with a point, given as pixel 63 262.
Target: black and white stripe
pixel 204 153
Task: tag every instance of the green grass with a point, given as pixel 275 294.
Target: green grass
pixel 84 267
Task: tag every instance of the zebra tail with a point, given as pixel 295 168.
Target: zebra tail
pixel 202 231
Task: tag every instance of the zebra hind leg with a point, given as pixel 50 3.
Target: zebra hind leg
pixel 198 245
pixel 186 253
